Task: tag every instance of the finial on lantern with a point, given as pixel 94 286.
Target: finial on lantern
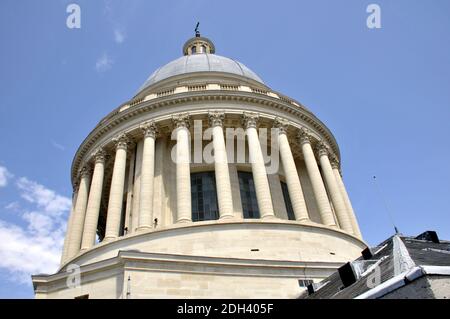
pixel 197 32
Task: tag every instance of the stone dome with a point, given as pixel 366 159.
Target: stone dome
pixel 201 62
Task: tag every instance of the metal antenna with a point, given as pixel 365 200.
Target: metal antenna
pixel 197 32
pixel 385 204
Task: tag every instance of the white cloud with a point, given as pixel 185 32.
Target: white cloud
pixel 44 198
pixel 119 36
pixel 104 63
pixel 34 247
pixel 23 253
pixel 58 146
pixel 13 206
pixel 5 175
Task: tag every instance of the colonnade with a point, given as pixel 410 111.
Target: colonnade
pixel 326 183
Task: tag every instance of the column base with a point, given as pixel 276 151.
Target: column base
pixel 305 221
pixel 109 239
pixel 184 221
pixel 226 217
pixel 142 229
pixel 269 217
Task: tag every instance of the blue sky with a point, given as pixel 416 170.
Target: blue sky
pixel 384 93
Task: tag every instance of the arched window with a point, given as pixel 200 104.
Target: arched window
pixel 194 50
pixel 203 49
pixel 204 196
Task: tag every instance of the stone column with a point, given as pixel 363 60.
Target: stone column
pixel 335 193
pixel 290 172
pixel 134 223
pixel 147 176
pixel 348 204
pixel 262 188
pixel 95 198
pixel 76 232
pixel 223 183
pixel 318 187
pixel 129 192
pixel 115 203
pixel 69 223
pixel 183 172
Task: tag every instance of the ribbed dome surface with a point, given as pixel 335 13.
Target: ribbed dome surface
pixel 200 63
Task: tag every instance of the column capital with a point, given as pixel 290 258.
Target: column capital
pixel 334 162
pixel 281 124
pixel 122 141
pixel 85 171
pixel 216 118
pixel 99 155
pixel 181 120
pixel 322 149
pixel 250 120
pixel 149 129
pixel 304 135
pixel 75 186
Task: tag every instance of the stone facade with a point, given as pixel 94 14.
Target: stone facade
pixel 133 189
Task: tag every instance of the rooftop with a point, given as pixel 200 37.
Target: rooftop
pixel 394 263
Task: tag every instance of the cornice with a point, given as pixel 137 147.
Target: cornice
pixel 210 96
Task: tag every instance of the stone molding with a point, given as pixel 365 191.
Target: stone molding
pixel 186 264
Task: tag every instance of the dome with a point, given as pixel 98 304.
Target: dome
pixel 205 62
pixel 219 227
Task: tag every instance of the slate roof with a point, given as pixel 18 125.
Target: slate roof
pixel 394 257
pixel 201 62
